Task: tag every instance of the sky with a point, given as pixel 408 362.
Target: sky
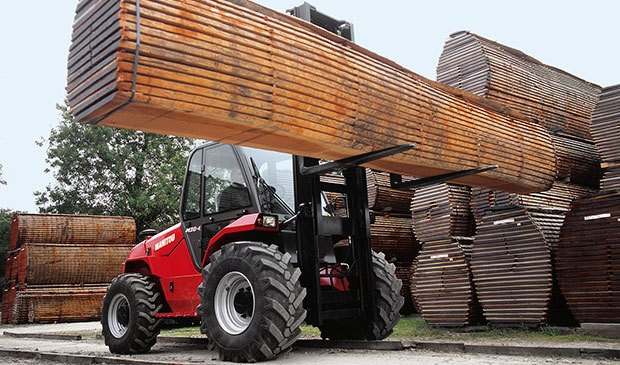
pixel 580 37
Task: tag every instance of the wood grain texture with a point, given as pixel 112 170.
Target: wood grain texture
pixel 50 264
pixel 41 304
pixel 606 125
pixel 552 97
pixel 512 265
pixel 442 284
pixel 588 258
pixel 71 229
pixel 235 72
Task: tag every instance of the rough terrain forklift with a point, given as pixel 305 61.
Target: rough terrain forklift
pixel 250 267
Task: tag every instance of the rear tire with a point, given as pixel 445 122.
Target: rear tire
pixel 251 302
pixel 128 315
pixel 388 303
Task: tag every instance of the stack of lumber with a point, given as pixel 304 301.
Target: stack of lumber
pixel 563 104
pixel 393 236
pixel 510 223
pixel 382 198
pixel 67 303
pixel 588 258
pixel 392 232
pixel 8 292
pixel 441 282
pixel 557 199
pixel 70 229
pixel 442 286
pixel 577 161
pixel 235 72
pixel 551 97
pixel 512 269
pixel 61 265
pixel 440 211
pixel 606 135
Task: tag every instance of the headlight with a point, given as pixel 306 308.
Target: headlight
pixel 268 221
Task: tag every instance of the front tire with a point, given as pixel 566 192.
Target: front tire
pixel 129 313
pixel 251 302
pixel 388 303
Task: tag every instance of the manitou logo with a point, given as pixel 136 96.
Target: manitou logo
pixel 163 243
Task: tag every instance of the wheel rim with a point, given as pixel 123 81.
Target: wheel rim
pixel 234 303
pixel 118 315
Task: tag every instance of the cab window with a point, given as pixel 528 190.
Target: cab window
pixel 225 188
pixel 191 198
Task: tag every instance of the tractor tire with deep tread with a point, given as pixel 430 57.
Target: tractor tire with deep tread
pixel 278 311
pixel 388 303
pixel 137 327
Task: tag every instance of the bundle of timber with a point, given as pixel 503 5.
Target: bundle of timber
pixel 404 273
pixel 8 300
pixel 48 264
pixel 8 291
pixel 71 229
pixel 382 197
pixel 236 72
pixel 587 258
pixel 577 161
pixel 557 199
pixel 512 265
pixel 441 277
pixel 62 265
pixel 392 235
pixel 441 211
pixel 442 282
pixel 606 125
pixel 38 304
pixel 551 97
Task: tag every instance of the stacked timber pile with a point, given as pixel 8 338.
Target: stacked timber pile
pixel 588 258
pixel 606 135
pixel 514 277
pixel 558 199
pixel 551 97
pixel 441 277
pixel 391 232
pixel 589 247
pixel 60 265
pixel 513 274
pixel 236 72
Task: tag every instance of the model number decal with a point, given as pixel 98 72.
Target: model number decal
pixel 192 229
pixel 164 242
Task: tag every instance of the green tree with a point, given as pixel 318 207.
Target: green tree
pixel 101 170
pixel 5 223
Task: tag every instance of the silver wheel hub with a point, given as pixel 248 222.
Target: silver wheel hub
pixel 118 315
pixel 234 303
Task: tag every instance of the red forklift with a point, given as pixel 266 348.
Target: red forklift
pixel 249 267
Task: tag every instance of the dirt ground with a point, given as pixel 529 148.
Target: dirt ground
pixel 192 354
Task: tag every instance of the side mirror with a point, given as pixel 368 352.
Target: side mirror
pixel 147 233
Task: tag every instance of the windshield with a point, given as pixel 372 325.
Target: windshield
pixel 277 170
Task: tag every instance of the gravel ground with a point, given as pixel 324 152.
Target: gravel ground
pixel 192 354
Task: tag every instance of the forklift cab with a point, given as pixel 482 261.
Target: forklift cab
pixel 225 182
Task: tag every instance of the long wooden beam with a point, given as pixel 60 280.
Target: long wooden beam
pixel 236 72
